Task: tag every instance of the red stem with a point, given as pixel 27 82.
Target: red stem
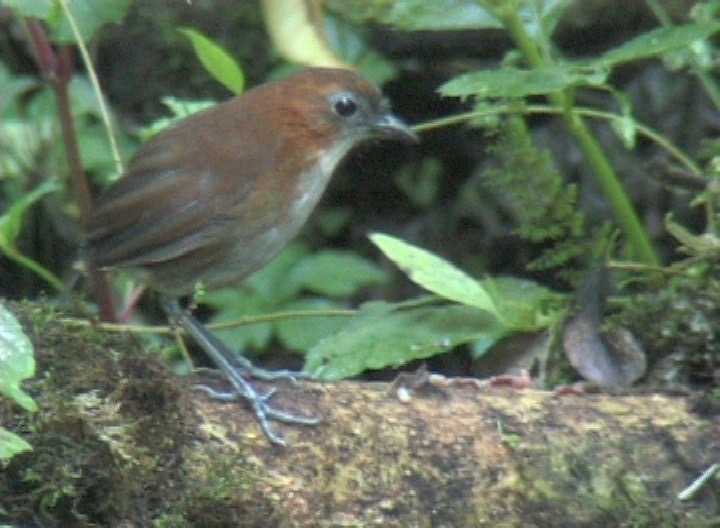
pixel 58 69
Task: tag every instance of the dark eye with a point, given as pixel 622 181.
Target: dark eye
pixel 345 106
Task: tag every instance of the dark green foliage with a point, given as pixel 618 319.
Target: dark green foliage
pixel 678 323
pixel 543 206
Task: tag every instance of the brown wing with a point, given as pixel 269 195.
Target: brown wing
pixel 170 202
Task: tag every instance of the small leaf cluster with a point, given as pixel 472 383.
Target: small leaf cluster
pixel 464 311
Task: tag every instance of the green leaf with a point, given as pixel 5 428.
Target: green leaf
pixel 625 127
pixel 273 283
pixel 30 8
pixel 706 244
pixel 382 336
pixel 302 333
pixel 11 224
pixel 218 62
pixel 335 273
pixel 524 305
pixel 265 292
pixel 11 221
pixel 550 14
pixel 179 109
pixel 421 182
pixel 415 15
pixel 234 305
pixel 435 274
pixel 82 97
pixel 509 82
pixel 13 85
pixel 659 41
pixel 537 17
pixel 89 15
pixel 11 444
pixel 350 42
pixel 16 360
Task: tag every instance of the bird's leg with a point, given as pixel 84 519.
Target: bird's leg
pixel 245 363
pixel 223 359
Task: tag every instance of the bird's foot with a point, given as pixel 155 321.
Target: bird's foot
pixel 237 370
pixel 260 403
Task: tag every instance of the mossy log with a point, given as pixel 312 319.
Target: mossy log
pixel 122 441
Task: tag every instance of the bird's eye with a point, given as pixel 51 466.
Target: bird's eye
pixel 345 106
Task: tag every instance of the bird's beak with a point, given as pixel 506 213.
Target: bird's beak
pixel 388 126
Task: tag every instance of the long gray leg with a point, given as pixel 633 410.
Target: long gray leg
pixel 223 359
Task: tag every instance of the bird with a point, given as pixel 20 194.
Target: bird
pixel 216 196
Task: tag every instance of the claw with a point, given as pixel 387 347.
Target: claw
pixel 269 394
pixel 217 395
pixel 223 359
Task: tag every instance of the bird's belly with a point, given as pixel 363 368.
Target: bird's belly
pixel 248 244
pixel 247 257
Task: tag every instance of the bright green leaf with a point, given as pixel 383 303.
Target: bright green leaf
pixel 435 274
pixel 335 273
pixel 659 41
pixel 218 62
pixel 382 336
pixel 11 444
pixel 16 360
pixel 508 82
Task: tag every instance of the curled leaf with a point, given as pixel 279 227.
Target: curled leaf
pixel 298 31
pixel 612 359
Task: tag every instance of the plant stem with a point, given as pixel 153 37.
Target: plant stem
pixel 39 270
pixel 642 130
pixel 243 321
pixel 96 85
pixel 623 209
pixel 58 69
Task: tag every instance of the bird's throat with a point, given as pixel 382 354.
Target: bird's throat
pixel 312 182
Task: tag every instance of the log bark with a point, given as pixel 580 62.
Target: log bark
pixel 122 441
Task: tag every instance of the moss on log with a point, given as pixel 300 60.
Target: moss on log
pixel 122 441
